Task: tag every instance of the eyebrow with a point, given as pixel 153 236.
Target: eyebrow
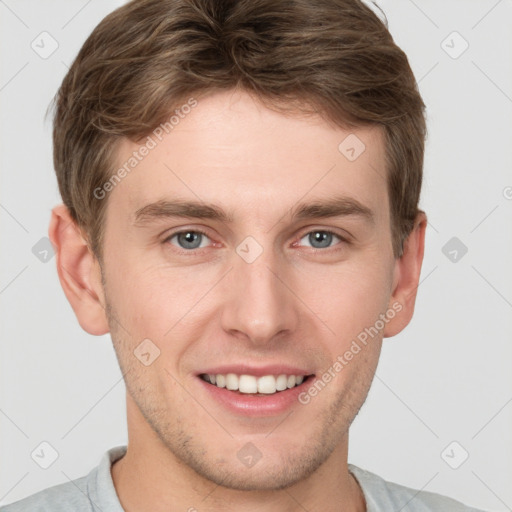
pixel 340 206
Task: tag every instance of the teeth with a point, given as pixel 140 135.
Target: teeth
pixel 248 384
pixel 268 384
pixel 281 382
pixel 231 382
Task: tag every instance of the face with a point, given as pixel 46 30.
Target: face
pixel 252 280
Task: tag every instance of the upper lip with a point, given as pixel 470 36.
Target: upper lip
pixel 260 371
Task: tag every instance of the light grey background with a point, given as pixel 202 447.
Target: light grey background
pixel 446 378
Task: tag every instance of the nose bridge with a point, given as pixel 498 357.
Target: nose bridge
pixel 259 304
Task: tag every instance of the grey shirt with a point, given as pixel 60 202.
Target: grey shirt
pixel 96 493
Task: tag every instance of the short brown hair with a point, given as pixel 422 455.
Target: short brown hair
pixel 331 57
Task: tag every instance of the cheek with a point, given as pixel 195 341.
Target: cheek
pixel 155 300
pixel 348 298
pixel 151 297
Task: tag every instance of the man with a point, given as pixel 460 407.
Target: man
pixel 240 183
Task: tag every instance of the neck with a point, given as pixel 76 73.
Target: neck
pixel 151 478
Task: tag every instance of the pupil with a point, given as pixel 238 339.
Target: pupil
pixel 320 239
pixel 189 240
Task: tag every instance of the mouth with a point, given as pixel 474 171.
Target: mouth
pixel 246 384
pixel 246 390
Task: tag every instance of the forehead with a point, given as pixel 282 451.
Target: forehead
pixel 231 150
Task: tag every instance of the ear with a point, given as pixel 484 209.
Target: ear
pixel 406 276
pixel 79 272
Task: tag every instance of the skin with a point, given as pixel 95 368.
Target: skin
pixel 294 304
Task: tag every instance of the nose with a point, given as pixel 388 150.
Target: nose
pixel 260 304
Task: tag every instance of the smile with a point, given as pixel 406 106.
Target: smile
pixel 250 384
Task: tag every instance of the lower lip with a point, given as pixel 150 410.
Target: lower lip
pixel 256 405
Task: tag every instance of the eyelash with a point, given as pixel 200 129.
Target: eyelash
pixel 192 252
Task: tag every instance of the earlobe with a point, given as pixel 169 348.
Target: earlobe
pixel 79 272
pixel 406 278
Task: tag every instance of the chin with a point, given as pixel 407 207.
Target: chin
pixel 265 478
pixel 274 466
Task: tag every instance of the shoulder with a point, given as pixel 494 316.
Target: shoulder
pixel 94 492
pixel 59 498
pixel 382 495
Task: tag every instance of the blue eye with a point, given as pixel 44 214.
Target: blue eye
pixel 320 239
pixel 189 239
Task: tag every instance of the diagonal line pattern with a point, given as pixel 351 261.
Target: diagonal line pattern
pixel 185 184
pixel 486 14
pixel 488 215
pixel 432 226
pixel 14 76
pixel 294 499
pixel 199 403
pixel 376 171
pixel 76 14
pixel 95 505
pixel 376 376
pixel 423 280
pixel 428 72
pixel 288 288
pixel 280 423
pixel 501 409
pixel 112 315
pixel 492 81
pixel 508 507
pixel 207 495
pixel 305 194
pixel 13 13
pixel 13 423
pixel 82 418
pixel 494 288
pixel 14 218
pixel 13 279
pixel 15 485
pixel 416 494
pixel 165 165
pixel 198 301
pixel 424 14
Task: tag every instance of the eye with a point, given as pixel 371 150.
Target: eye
pixel 320 239
pixel 195 239
pixel 189 239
